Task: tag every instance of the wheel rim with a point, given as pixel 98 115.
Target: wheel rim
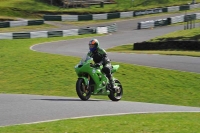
pixel 118 94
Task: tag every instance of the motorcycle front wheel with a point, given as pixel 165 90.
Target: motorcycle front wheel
pixel 82 91
pixel 116 96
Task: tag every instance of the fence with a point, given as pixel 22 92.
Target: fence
pixel 118 14
pixel 168 21
pixel 20 23
pixel 60 33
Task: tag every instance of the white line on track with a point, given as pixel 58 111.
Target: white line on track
pixel 117 114
pixel 31 48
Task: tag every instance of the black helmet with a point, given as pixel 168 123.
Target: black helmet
pixel 93 44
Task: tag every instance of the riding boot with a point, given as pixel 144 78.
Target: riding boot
pixel 112 84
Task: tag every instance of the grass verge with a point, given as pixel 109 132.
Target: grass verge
pixel 190 34
pixel 27 72
pixel 137 123
pixel 59 24
pixel 37 8
pixel 128 48
pixel 27 28
pixel 78 23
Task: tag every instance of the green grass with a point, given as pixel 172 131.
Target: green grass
pixel 137 123
pixel 36 8
pixel 77 23
pixel 27 28
pixel 23 8
pixel 10 10
pixel 27 72
pixel 190 34
pixel 128 48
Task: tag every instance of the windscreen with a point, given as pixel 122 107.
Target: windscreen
pixel 84 59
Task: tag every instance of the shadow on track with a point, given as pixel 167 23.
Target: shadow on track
pixel 69 100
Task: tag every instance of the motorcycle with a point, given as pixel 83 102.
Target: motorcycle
pixel 92 81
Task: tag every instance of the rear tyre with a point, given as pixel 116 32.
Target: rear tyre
pixel 116 96
pixel 82 91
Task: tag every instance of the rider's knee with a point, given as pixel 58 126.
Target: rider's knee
pixel 106 70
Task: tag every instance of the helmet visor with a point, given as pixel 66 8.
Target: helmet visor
pixel 91 45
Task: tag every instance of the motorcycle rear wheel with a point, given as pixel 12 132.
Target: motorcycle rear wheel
pixel 116 96
pixel 82 91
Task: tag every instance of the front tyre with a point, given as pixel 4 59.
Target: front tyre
pixel 82 91
pixel 116 96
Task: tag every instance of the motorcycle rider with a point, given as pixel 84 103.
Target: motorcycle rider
pixel 99 56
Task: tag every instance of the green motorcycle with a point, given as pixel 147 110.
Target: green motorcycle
pixel 91 81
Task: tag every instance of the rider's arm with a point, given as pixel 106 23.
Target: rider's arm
pixel 105 58
pixel 89 54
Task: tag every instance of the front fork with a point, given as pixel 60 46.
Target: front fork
pixel 86 81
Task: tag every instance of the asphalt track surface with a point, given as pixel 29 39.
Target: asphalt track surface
pixel 18 109
pixel 79 47
pixel 21 109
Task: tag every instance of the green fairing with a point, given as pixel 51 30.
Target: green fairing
pixel 84 70
pixel 114 69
